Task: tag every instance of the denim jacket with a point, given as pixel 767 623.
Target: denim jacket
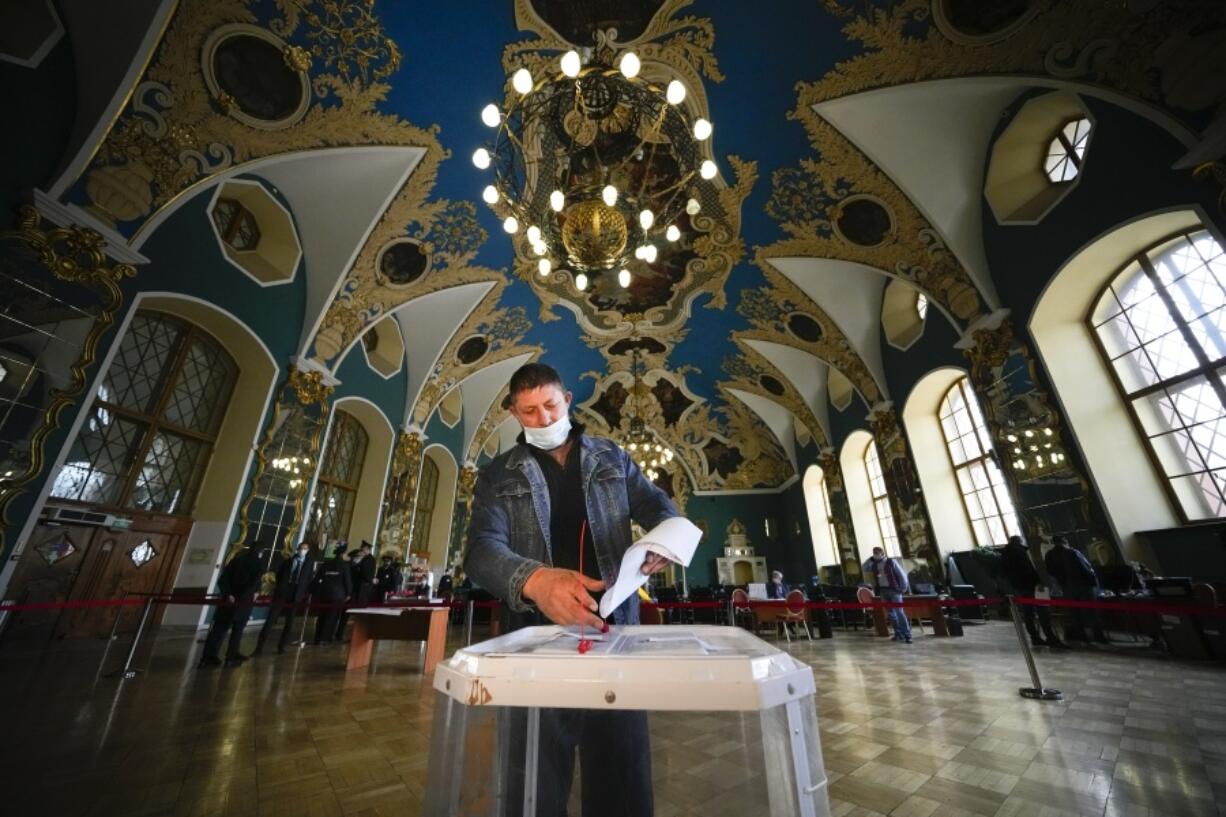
pixel 508 536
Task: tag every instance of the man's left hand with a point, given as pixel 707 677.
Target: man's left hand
pixel 654 563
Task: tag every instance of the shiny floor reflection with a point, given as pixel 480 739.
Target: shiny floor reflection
pixel 933 728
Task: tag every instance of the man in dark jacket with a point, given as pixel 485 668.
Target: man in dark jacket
pixel 240 579
pixel 388 579
pixel 1072 571
pixel 1020 572
pixel 363 567
pixel 776 588
pixel 333 585
pixel 294 576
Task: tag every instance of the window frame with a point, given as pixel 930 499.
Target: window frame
pixel 1069 148
pixel 328 483
pixel 153 424
pixel 987 455
pixel 427 500
pixel 1204 369
pixel 884 496
pixel 834 531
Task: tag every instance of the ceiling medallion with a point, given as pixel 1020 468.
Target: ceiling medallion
pixel 595 164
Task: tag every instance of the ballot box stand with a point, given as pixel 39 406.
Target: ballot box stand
pixel 723 722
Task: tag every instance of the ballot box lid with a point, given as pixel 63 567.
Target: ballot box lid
pixel 648 667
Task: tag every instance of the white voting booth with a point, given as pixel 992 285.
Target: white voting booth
pixel 723 723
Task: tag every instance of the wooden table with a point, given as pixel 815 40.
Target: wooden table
pixel 371 624
pixel 916 609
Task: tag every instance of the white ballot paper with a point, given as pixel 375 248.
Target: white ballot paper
pixel 675 539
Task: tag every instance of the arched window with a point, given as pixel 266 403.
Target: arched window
pixel 821 518
pixel 1161 324
pixel 984 493
pixel 338 479
pixel 150 432
pixel 427 494
pixel 881 500
pixel 1067 151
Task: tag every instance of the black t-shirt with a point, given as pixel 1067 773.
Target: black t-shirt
pixel 568 509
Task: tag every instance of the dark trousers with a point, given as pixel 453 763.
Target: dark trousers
pixel 1083 620
pixel 614 751
pixel 279 607
pixel 1028 615
pixel 326 624
pixel 229 618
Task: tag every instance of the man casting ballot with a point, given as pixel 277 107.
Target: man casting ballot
pixel 550 524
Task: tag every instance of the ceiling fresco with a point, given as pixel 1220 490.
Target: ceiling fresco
pixel 734 326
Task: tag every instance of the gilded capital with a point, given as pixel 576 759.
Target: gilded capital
pixel 309 387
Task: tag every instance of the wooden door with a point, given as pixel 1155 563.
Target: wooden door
pixel 82 563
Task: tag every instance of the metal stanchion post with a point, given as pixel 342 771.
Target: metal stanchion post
pixel 118 615
pixel 306 616
pixel 468 640
pixel 127 671
pixel 1038 691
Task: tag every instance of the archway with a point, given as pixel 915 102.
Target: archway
pixel 859 496
pixel 368 504
pixel 821 528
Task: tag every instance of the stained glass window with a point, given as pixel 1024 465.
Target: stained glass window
pixel 150 431
pixel 881 500
pixel 1067 151
pixel 984 492
pixel 1161 323
pixel 337 488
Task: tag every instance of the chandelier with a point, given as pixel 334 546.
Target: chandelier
pixel 595 163
pixel 648 454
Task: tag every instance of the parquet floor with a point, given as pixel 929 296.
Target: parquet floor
pixel 935 728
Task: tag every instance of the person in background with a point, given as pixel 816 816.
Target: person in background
pixel 333 586
pixel 1075 576
pixel 239 582
pixel 889 580
pixel 362 564
pixel 1021 573
pixel 294 577
pixel 775 588
pixel 387 580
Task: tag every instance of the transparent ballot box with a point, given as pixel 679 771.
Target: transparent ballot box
pixel 652 720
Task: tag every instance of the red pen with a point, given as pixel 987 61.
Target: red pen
pixel 584 644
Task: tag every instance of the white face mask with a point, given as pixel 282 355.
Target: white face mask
pixel 549 437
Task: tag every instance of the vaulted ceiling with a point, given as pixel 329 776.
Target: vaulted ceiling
pixel 852 138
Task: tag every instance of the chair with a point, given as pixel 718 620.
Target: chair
pixel 741 608
pixel 967 592
pixel 796 614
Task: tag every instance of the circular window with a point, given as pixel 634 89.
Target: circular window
pixel 472 349
pixel 772 385
pixel 979 22
pixel 247 72
pixel 403 262
pixel 863 221
pixel 804 327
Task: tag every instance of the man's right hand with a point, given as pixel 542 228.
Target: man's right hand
pixel 562 595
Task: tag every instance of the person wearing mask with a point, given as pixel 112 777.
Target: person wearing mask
pixel 239 581
pixel 333 586
pixel 1023 577
pixel 1075 576
pixel 294 577
pixel 889 581
pixel 776 588
pixel 362 564
pixel 548 568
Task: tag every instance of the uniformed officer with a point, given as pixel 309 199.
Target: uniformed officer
pixel 334 586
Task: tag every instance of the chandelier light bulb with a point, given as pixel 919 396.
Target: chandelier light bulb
pixel 571 63
pixel 534 234
pixel 557 200
pixel 630 65
pixel 649 253
pixel 623 278
pixel 708 170
pixel 692 207
pixel 647 218
pixel 490 115
pixel 481 158
pixel 675 93
pixel 702 129
pixel 539 248
pixel 521 80
pixel 544 266
pixel 490 194
pixel 580 279
pixel 638 252
pixel 672 233
pixel 511 225
pixel 609 194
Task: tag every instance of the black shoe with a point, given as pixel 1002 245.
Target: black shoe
pixel 1035 641
pixel 280 649
pixel 209 661
pixel 1056 644
pixel 258 651
pixel 235 660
